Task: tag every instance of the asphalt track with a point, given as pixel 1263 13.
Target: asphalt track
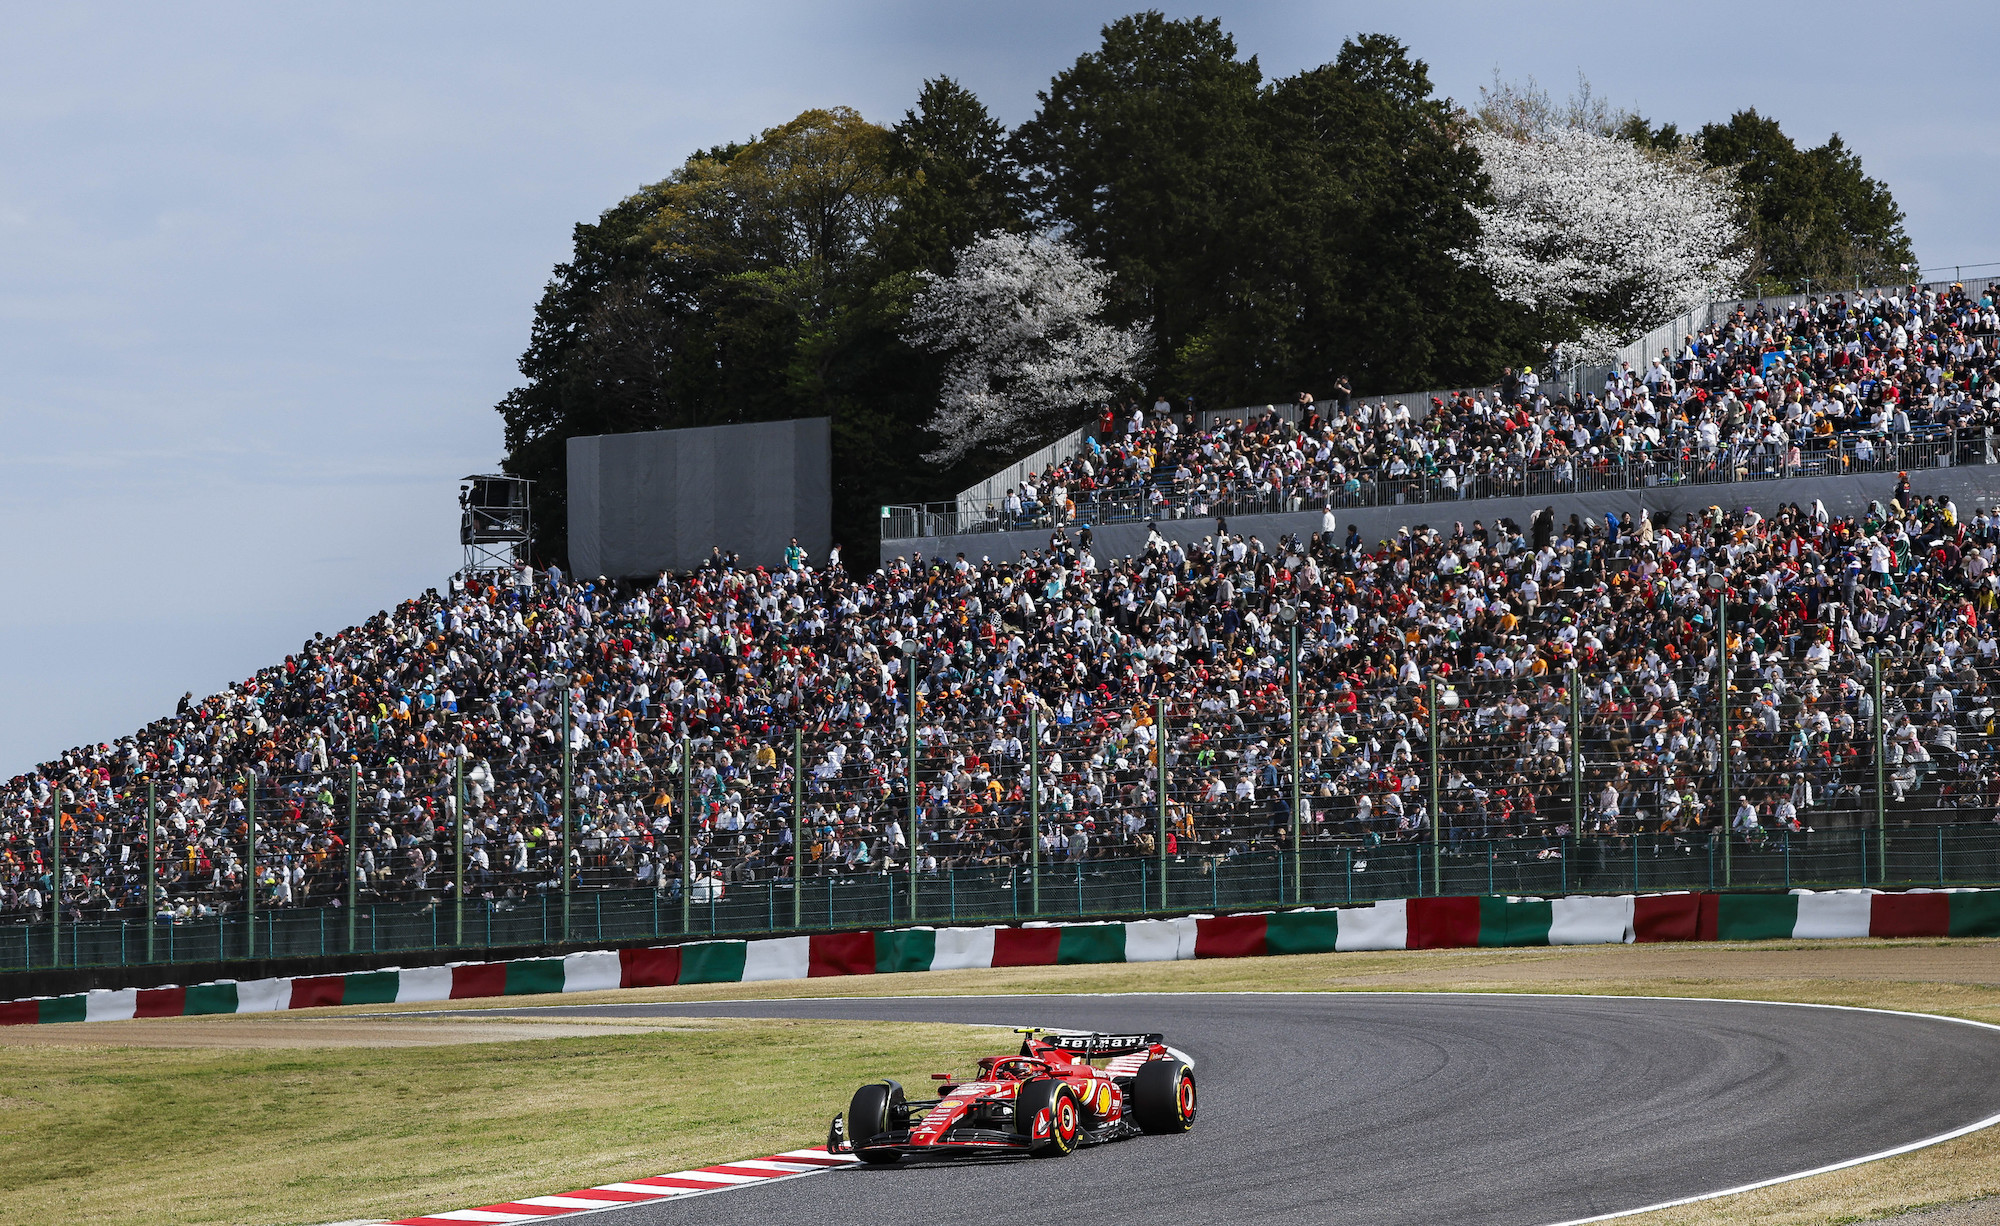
pixel 1403 1108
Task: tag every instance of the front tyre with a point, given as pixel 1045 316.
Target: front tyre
pixel 876 1109
pixel 1163 1097
pixel 1048 1112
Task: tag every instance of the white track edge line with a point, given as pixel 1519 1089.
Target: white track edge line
pixel 1910 1147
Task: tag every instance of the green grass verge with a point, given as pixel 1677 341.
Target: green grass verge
pixel 104 1134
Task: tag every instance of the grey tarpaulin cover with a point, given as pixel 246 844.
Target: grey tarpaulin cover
pixel 660 500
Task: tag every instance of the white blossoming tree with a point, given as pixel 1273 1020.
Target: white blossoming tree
pixel 1020 322
pixel 1601 237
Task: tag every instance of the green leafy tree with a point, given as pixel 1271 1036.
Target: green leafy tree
pixel 764 281
pixel 959 179
pixel 1372 184
pixel 731 291
pixel 1814 216
pixel 1143 152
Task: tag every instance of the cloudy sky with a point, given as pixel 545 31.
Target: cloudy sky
pixel 265 269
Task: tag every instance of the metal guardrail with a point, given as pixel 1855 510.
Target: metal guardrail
pixel 1837 456
pixel 1329 875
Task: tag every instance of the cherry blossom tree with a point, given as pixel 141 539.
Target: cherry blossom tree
pixel 1602 237
pixel 1020 322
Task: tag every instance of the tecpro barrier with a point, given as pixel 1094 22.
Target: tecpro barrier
pixel 1491 921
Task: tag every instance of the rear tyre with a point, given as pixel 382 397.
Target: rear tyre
pixel 1049 1115
pixel 1163 1098
pixel 876 1109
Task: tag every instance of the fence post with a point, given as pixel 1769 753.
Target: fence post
pixel 798 827
pixel 152 866
pixel 458 820
pixel 250 880
pixel 1575 752
pixel 55 882
pixel 1299 855
pixel 1161 778
pixel 353 834
pixel 687 829
pixel 1722 736
pixel 1437 808
pixel 1035 811
pixel 1881 798
pixel 567 821
pixel 910 768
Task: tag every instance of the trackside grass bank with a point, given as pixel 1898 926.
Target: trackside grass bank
pixel 307 1135
pixel 1952 978
pixel 157 1134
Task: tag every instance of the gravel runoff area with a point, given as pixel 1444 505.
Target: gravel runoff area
pixel 1393 1108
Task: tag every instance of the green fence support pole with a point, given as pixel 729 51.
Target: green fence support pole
pixel 1575 752
pixel 1722 735
pixel 152 865
pixel 1160 757
pixel 1437 806
pixel 458 850
pixel 798 828
pixel 55 881
pixel 567 822
pixel 916 847
pixel 1881 797
pixel 1291 615
pixel 250 881
pixel 1035 810
pixel 353 835
pixel 687 830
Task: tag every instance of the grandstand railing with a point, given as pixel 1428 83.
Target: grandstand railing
pixel 1527 767
pixel 1833 456
pixel 1329 875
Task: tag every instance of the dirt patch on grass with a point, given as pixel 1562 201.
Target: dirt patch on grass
pixel 1979 1213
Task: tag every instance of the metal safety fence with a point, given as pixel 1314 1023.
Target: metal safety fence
pixel 1321 875
pixel 1651 468
pixel 1277 780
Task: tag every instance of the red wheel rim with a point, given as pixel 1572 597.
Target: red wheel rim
pixel 1066 1121
pixel 1186 1098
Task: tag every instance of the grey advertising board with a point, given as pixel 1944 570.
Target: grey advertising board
pixel 661 500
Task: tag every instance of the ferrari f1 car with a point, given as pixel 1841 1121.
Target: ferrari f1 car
pixel 1051 1097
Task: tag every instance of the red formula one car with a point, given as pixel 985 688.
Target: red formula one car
pixel 1044 1101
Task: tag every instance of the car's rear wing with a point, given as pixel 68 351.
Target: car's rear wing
pixel 1090 1046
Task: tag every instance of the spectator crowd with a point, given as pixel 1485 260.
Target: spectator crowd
pixel 1824 387
pixel 1572 670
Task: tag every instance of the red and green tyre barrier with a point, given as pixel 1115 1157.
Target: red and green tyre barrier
pixel 1414 923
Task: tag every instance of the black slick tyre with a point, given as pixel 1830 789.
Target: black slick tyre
pixel 875 1109
pixel 1163 1098
pixel 1049 1115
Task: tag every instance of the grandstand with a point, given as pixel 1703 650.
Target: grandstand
pixel 1588 695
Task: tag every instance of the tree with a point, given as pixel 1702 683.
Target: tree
pixel 1027 350
pixel 1346 262
pixel 734 290
pixel 1143 152
pixel 1600 237
pixel 959 179
pixel 1813 216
